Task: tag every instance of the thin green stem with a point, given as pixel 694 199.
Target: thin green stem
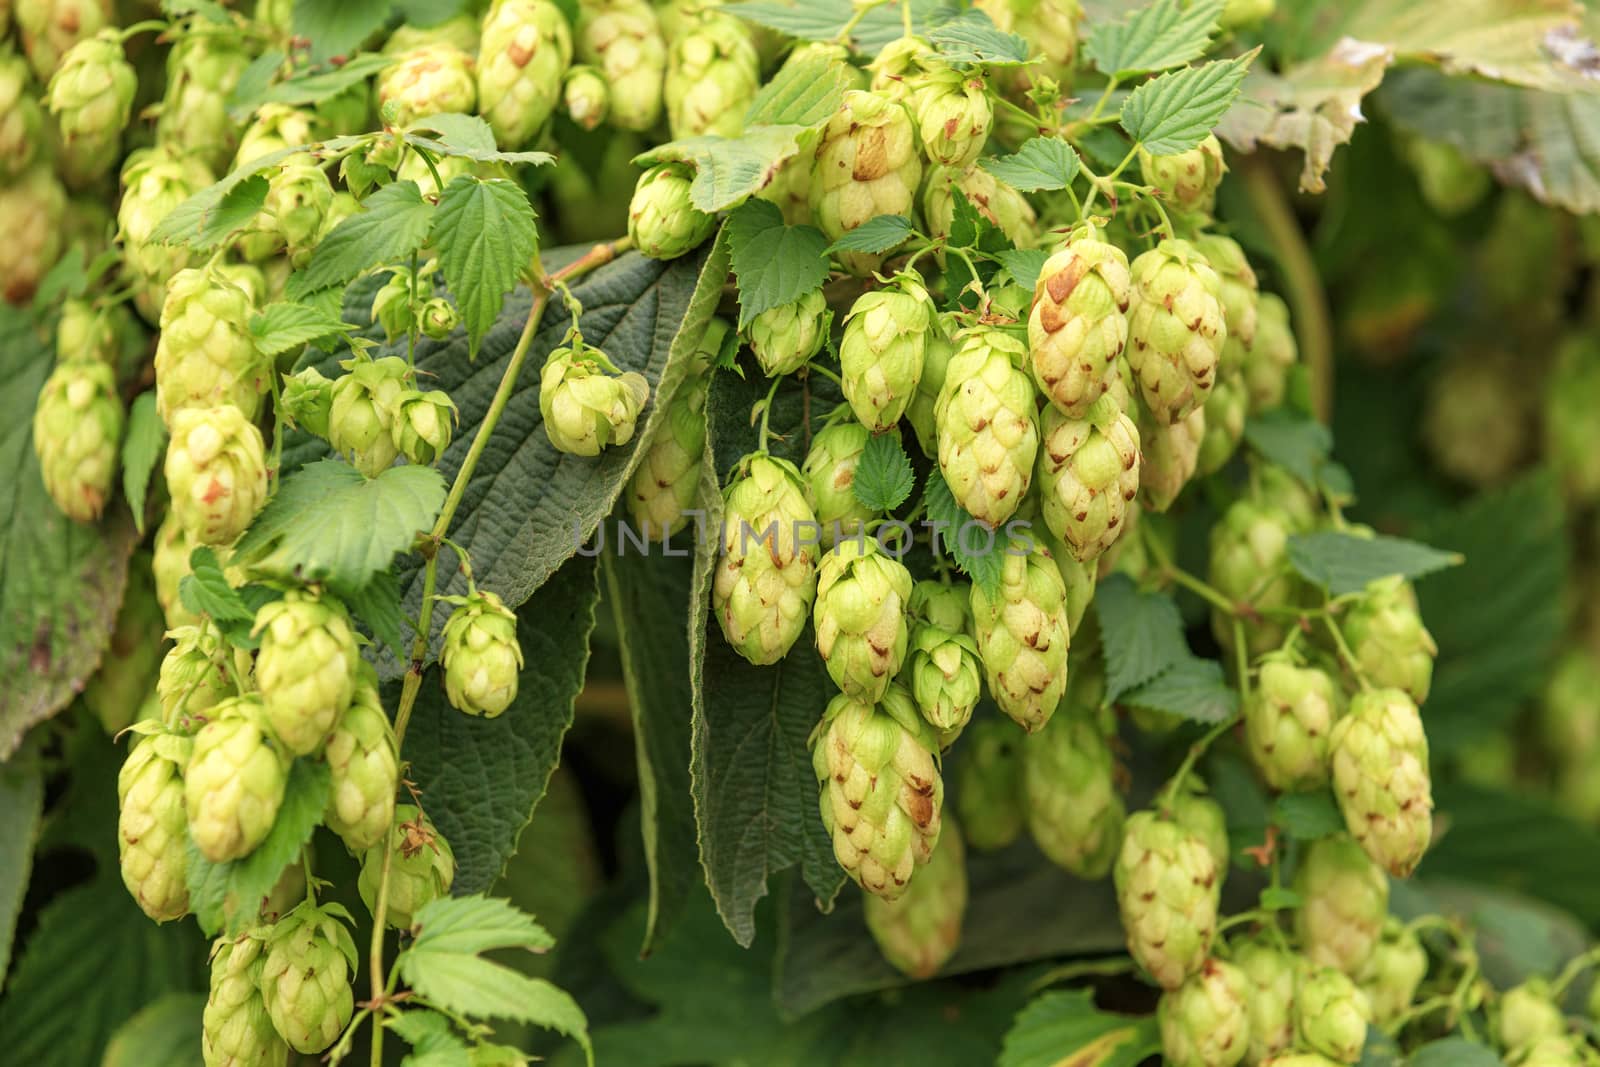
pixel 1170 570
pixel 1192 757
pixel 1105 98
pixel 1345 654
pixel 1575 966
pixel 814 367
pixel 766 413
pixel 843 36
pixel 275 381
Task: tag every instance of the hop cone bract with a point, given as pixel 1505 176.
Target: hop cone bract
pixel 203 69
pixel 1391 646
pixel 1074 811
pixel 154 182
pixel 880 356
pixel 586 409
pixel 945 674
pixel 993 199
pixel 305 977
pixel 830 473
pixel 860 615
pixel 361 412
pixel 953 113
pixel 1250 565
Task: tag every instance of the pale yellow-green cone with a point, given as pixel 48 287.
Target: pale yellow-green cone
pixel 362 411
pixel 420 869
pixel 1271 973
pixel 1176 329
pixel 881 353
pixel 790 185
pixel 363 765
pixel 1379 760
pixel 623 39
pixel 1225 416
pixel 1022 635
pixel 305 977
pixel 766 573
pixel 236 1030
pixel 169 564
pixel 525 49
pixel 1476 417
pixel 91 96
pixel 152 829
pixel 944 673
pixel 1288 718
pixel 206 356
pixel 1051 29
pixel 713 73
pixel 1191 808
pixel 306 666
pixel 1074 811
pixel 154 182
pixel 1170 454
pixel 21 118
pixel 662 218
pixel 1571 423
pixel 785 337
pixel 1250 565
pixel 50 28
pixel 1240 295
pixel 1527 1014
pixel 1237 14
pixel 1088 476
pixel 77 427
pixel 994 200
pixel 1187 180
pixel 481 656
pixel 1079 578
pixel 430 80
pixel 234 783
pixel 274 128
pixel 1331 1014
pixel 899 66
pixel 586 408
pixel 203 70
pixel 1386 635
pixel 299 198
pixel 422 425
pixel 1167 892
pixel 461 31
pixel 668 477
pixel 1300 1059
pixel 919 932
pixel 829 473
pixel 32 207
pixel 85 334
pixel 1345 898
pixel 1553 1052
pixel 988 784
pixel 987 428
pixel 392 305
pixel 860 616
pixel 1276 486
pixel 866 165
pixel 881 792
pixel 1393 972
pixel 1569 711
pixel 194 676
pixel 586 96
pixel 1078 324
pixel 953 113
pixel 216 470
pixel 921 411
pixel 1205 1022
pixel 1267 363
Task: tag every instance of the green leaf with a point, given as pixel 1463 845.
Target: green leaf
pixel 1165 34
pixel 972 37
pixel 1454 1052
pixel 1277 898
pixel 143 445
pixel 1143 634
pixel 824 20
pixel 1023 264
pixel 1297 443
pixel 1345 563
pixel 964 539
pixel 312 88
pixel 433 1040
pixel 393 223
pixel 281 327
pixel 1174 112
pixel 236 209
pixel 486 237
pixel 1064 1026
pixel 195 221
pixel 1041 164
pixel 884 478
pixel 206 591
pixel 801 94
pixel 1192 688
pixel 1308 816
pixel 879 234
pixel 773 263
pixel 165 1032
pixel 469 137
pixel 21 806
pixel 378 605
pixel 337 29
pixel 728 171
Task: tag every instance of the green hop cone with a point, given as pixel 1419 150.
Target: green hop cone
pixel 50 28
pixel 1267 363
pixel 422 425
pixel 306 974
pixel 392 306
pixel 1171 455
pixel 953 115
pixel 308 400
pixel 1345 898
pixel 881 795
pixel 1557 1051
pixel 1196 812
pixel 306 666
pixel 31 210
pixel 1276 486
pixel 881 353
pixel 1078 324
pixel 829 473
pixel 421 868
pixel 998 203
pixel 944 673
pixel 525 49
pixel 1379 763
pixel 1527 1014
pixel 433 79
pixel 1571 421
pixel 154 182
pixel 766 573
pixel 202 72
pixel 361 414
pixel 169 563
pixel 274 128
pixel 21 119
pixel 1074 812
pixel 194 675
pixel 1187 180
pixel 236 1030
pixel 1331 1014
pixel 77 427
pixel 585 408
pixel 1385 633
pixel 216 470
pixel 86 334
pixel 1167 891
pixel 1300 1059
pixel 713 73
pixel 152 830
pixel 662 219
pixel 206 356
pixel 1205 1022
pixel 1176 329
pixel 1250 565
pixel 921 930
pixel 1477 418
pixel 235 780
pixel 462 31
pixel 924 404
pixel 1225 415
pixel 1271 972
pixel 481 656
pixel 586 96
pixel 363 764
pixel 1288 716
pixel 987 429
pixel 1393 973
pixel 1240 295
pixel 866 165
pixel 438 318
pixel 91 96
pixel 860 616
pixel 1569 713
pixel 899 66
pixel 1238 14
pixel 622 38
pixel 668 477
pixel 299 198
pixel 989 797
pixel 785 337
pixel 1088 476
pixel 1022 635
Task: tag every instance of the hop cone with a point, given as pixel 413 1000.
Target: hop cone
pixel 525 50
pixel 154 182
pixel 1571 421
pixel 866 165
pixel 50 28
pixel 1205 1022
pixel 1022 635
pixel 1527 1014
pixel 713 73
pixel 235 780
pixel 306 666
pixel 31 211
pixel 1276 486
pixel 1379 762
pixel 989 796
pixel 169 564
pixel 953 113
pixel 668 476
pixel 91 96
pixel 988 436
pixel 1225 415
pixel 623 39
pixel 586 96
pixel 899 66
pixel 1079 579
pixel 1267 363
pixel 1271 973
pixel 1088 476
pixel 1345 898
pixel 785 337
pixel 881 354
pixel 1188 180
pixel 217 473
pixel 662 220
pixel 1552 1052
pixel 1051 29
pixel 1167 892
pixel 1250 565
pixel 586 409
pixel 236 1030
pixel 1196 812
pixel 830 475
pixel 1171 456
pixel 766 575
pixel 945 674
pixel 77 427
pixel 299 198
pixel 421 868
pixel 1078 324
pixel 152 832
pixel 1391 646
pixel 1074 811
pixel 921 411
pixel 202 72
pixel 461 31
pixel 998 203
pixel 274 128
pixel 1288 717
pixel 361 412
pixel 206 356
pixel 481 656
pixel 364 767
pixel 422 424
pixel 1569 720
pixel 860 615
pixel 1239 293
pixel 21 119
pixel 305 977
pixel 1176 329
pixel 430 80
pixel 918 932
pixel 1393 972
pixel 1331 1014
pixel 194 677
pixel 881 797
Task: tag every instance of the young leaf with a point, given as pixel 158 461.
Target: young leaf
pixel 282 326
pixel 205 591
pixel 1064 1026
pixel 801 94
pixel 972 37
pixel 883 479
pixel 1023 264
pixel 469 137
pixel 1308 816
pixel 879 234
pixel 392 224
pixel 431 1037
pixel 774 264
pixel 1344 563
pixel 972 544
pixel 1175 112
pixel 486 238
pixel 142 448
pixel 234 211
pixel 1143 634
pixel 1167 33
pixel 1041 164
pixel 1192 688
pixel 1277 898
pixel 728 171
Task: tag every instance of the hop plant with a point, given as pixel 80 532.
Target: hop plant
pixel 586 96
pixel 1088 476
pixel 363 766
pixel 668 477
pixel 622 38
pixel 235 780
pixel 21 119
pixel 866 165
pixel 1393 972
pixel 1250 565
pixel 154 182
pixel 944 674
pixel 1187 180
pixel 1379 762
pixel 50 28
pixel 988 436
pixel 422 425
pixel 919 932
pixel 882 794
pixel 31 209
pixel 1171 455
pixel 206 356
pixel 1167 892
pixel 881 354
pixel 662 219
pixel 525 50
pixel 194 675
pixel 766 573
pixel 1022 635
pixel 235 1027
pixel 989 797
pixel 1344 900
pixel 216 472
pixel 1391 646
pixel 77 427
pixel 421 868
pixel 829 473
pixel 995 201
pixel 91 96
pixel 480 655
pixel 1331 1014
pixel 1205 1022
pixel 1078 325
pixel 1176 329
pixel 1051 29
pixel 306 667
pixel 1288 717
pixel 785 337
pixel 713 73
pixel 584 407
pixel 152 830
pixel 305 979
pixel 1527 1014
pixel 953 113
pixel 361 413
pixel 1268 361
pixel 202 72
pixel 432 79
pixel 860 615
pixel 1271 973
pixel 1074 811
